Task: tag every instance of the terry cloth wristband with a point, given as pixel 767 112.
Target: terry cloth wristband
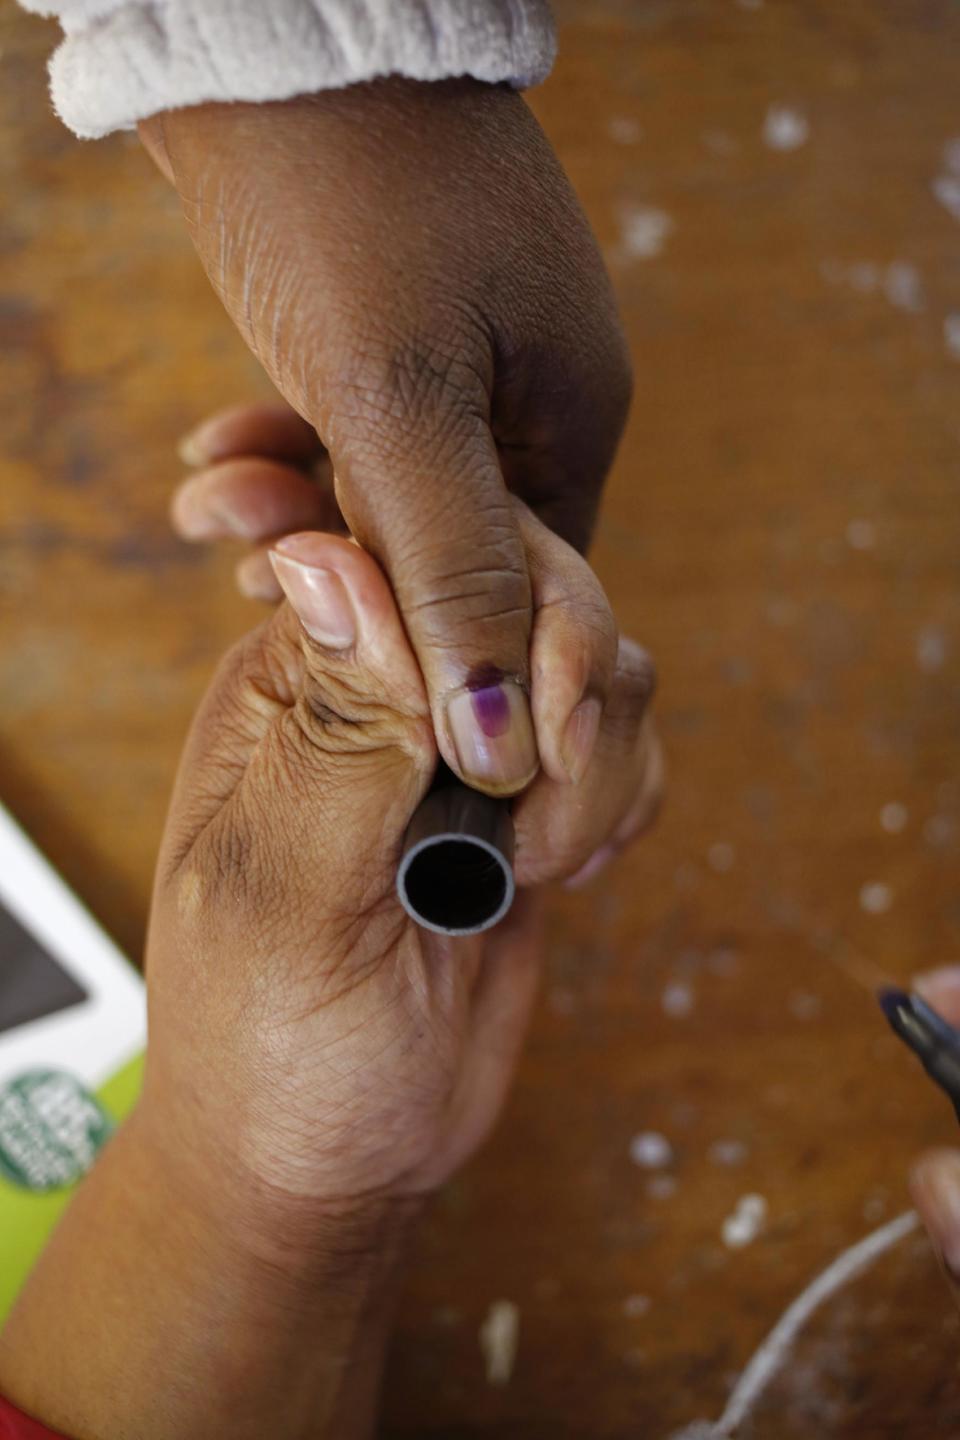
pixel 124 60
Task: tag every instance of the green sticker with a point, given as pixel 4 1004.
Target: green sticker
pixel 51 1128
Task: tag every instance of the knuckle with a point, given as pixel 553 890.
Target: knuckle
pixel 335 720
pixel 336 723
pixel 637 672
pixel 572 605
pixel 426 374
pixel 411 378
pixel 588 615
pixel 258 676
pixel 472 592
pixel 559 853
pixel 632 691
pixel 585 600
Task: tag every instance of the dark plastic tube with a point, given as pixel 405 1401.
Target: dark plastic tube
pixel 932 1039
pixel 456 871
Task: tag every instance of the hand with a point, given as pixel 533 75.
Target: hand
pixel 305 765
pixel 935 1181
pixel 268 475
pixel 410 265
pixel 316 1064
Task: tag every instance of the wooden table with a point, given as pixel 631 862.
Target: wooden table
pixel 782 529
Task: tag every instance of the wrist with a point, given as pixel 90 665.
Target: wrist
pixel 277 1237
pixel 278 1333
pixel 318 1276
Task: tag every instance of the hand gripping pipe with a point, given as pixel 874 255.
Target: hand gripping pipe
pixel 456 871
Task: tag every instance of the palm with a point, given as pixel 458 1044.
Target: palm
pixel 405 1073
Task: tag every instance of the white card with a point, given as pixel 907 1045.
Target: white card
pixel 68 998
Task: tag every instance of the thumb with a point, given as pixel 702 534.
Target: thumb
pixel 315 734
pixel 426 496
pixel 394 370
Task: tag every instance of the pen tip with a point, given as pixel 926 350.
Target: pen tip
pixel 892 1001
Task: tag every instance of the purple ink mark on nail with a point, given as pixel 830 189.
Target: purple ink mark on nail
pixel 492 709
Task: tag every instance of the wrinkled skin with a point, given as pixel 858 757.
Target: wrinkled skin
pixel 266 475
pixel 410 265
pixel 390 1047
pixel 317 1064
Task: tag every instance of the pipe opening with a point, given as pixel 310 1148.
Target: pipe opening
pixel 455 885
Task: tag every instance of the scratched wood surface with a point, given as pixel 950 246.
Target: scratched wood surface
pixel 773 186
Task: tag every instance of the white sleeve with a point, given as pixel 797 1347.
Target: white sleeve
pixel 122 60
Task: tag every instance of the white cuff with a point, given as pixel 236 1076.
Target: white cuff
pixel 122 60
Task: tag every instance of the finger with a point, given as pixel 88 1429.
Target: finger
pixel 573 651
pixel 256 579
pixel 941 989
pixel 501 1004
pixel 935 1187
pixel 649 798
pixel 251 499
pixel 640 816
pixel 351 625
pixel 325 699
pixel 340 776
pixel 424 492
pixel 560 827
pixel 275 431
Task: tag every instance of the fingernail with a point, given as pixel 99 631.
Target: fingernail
pixel 934 985
pixel 579 738
pixel 598 861
pixel 320 599
pixel 935 1183
pixel 256 579
pixel 492 733
pixel 198 517
pixel 191 448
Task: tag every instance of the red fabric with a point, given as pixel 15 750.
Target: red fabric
pixel 14 1425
